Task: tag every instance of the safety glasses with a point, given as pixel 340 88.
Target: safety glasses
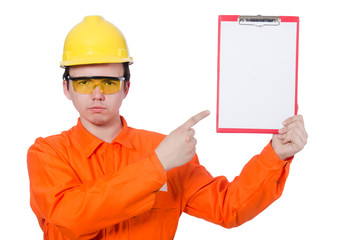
pixel 86 85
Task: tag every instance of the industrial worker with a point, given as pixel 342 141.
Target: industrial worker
pixel 103 179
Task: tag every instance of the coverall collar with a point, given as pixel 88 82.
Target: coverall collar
pixel 90 143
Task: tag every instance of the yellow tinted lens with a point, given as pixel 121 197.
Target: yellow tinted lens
pixel 109 86
pixel 87 86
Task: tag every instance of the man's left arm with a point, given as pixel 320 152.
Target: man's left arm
pixel 260 183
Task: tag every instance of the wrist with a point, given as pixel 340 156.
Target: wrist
pixel 161 159
pixel 278 151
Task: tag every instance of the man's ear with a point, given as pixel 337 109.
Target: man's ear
pixel 126 88
pixel 66 90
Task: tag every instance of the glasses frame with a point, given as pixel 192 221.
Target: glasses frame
pixel 96 77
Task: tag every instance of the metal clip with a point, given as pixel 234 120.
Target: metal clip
pixel 259 20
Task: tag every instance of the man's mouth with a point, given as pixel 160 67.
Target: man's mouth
pixel 97 109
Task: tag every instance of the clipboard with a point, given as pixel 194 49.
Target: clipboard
pixel 257 72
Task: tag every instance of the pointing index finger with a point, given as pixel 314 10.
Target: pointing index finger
pixel 195 119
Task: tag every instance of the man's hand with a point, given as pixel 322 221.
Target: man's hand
pixel 179 147
pixel 291 138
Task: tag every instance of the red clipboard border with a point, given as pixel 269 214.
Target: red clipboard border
pixel 234 18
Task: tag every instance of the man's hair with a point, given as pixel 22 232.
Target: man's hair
pixel 127 74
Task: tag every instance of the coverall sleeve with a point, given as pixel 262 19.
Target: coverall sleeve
pixel 81 209
pixel 230 204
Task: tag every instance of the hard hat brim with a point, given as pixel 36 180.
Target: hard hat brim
pixel 98 60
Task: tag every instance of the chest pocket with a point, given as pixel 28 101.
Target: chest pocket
pixel 164 200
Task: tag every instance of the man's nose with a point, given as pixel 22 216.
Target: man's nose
pixel 97 94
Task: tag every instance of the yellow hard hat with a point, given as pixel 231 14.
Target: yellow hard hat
pixel 95 40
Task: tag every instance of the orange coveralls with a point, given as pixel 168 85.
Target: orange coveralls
pixel 84 188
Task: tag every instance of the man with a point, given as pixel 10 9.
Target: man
pixel 105 180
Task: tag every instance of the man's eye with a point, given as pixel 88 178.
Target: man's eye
pixel 110 83
pixel 82 82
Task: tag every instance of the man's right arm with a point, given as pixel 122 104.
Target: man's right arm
pixel 80 209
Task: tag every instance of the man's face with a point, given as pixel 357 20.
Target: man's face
pixel 97 108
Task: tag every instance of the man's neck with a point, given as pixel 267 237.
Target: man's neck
pixel 106 132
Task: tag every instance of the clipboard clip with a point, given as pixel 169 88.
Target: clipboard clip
pixel 259 20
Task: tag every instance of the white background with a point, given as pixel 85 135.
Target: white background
pixel 174 45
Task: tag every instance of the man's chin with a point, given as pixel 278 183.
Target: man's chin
pixel 99 122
